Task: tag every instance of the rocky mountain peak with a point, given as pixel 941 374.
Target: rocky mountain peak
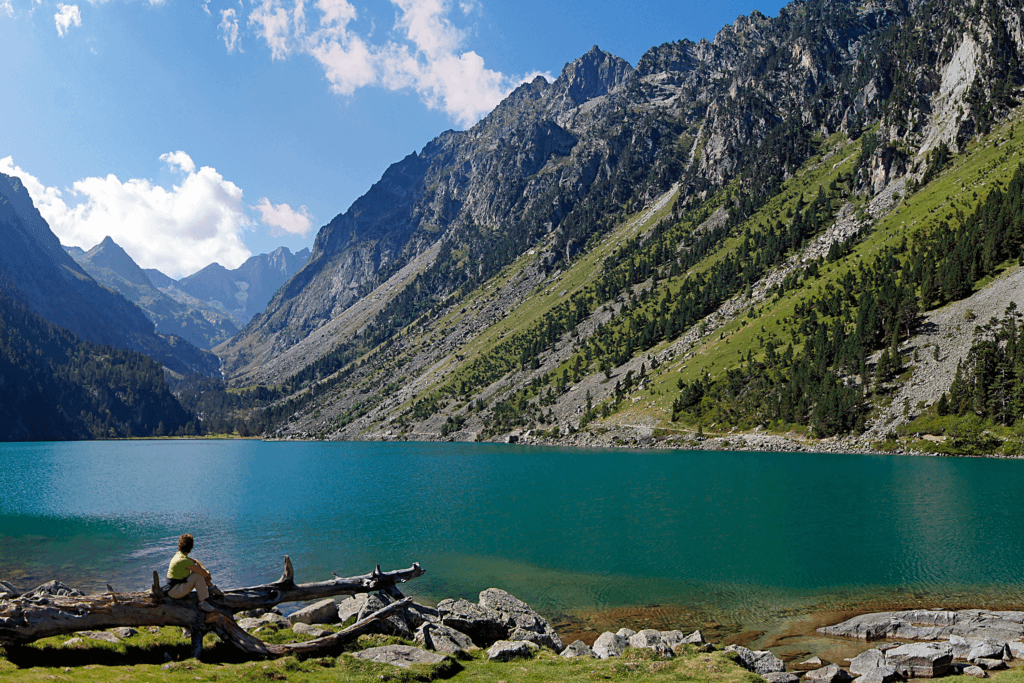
pixel 109 254
pixel 594 74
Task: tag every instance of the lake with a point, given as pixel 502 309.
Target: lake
pixel 727 541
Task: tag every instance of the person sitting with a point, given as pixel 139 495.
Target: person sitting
pixel 185 574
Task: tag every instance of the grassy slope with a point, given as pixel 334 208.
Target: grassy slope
pixel 47 660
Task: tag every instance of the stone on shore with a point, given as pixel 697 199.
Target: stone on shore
pixel 626 633
pixel 694 638
pixel 304 629
pixel 578 649
pixel 392 625
pixel 441 638
pixel 609 644
pixel 521 619
pixel 828 674
pixel 975 671
pixel 880 674
pixel 921 660
pixel 323 612
pixel 275 620
pixel 105 636
pixel 351 607
pixel 483 625
pixel 402 656
pixel 8 591
pixel 987 649
pixel 780 677
pixel 505 650
pixel 975 624
pixel 124 631
pixel 866 661
pixel 650 639
pixel 758 661
pixel 990 664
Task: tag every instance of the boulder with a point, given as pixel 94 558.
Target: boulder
pixel 780 677
pixel 609 644
pixel 828 674
pixel 71 642
pixel 248 623
pixel 1015 648
pixel 811 664
pixel 695 638
pixel 504 650
pixel 759 661
pixel 985 650
pixel 578 649
pixel 975 671
pixel 402 656
pixel 416 615
pixel 650 639
pixel 105 636
pixel 275 620
pixel 548 640
pixel 441 638
pixel 672 638
pixel 626 633
pixel 304 629
pixel 124 631
pixel 921 660
pixel 52 588
pixel 392 625
pixel 866 661
pixel 323 612
pixel 518 615
pixel 990 664
pixel 483 625
pixel 351 607
pixel 7 590
pixel 880 674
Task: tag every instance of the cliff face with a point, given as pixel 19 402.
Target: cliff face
pixel 52 285
pixel 555 163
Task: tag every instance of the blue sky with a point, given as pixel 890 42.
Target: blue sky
pixel 194 132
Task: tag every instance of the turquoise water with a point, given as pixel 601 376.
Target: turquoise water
pixel 726 536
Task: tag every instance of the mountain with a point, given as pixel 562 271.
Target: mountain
pixel 110 265
pixel 244 291
pixel 759 234
pixel 58 387
pixel 53 286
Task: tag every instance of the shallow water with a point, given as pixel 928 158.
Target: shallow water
pixel 727 541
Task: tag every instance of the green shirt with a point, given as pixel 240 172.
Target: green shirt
pixel 178 568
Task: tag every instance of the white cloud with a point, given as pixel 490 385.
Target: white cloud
pixel 285 217
pixel 6 8
pixel 66 16
pixel 229 29
pixel 424 53
pixel 179 231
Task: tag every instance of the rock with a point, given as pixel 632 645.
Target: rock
pixel 990 664
pixel 483 625
pixel 985 650
pixel 124 631
pixel 275 620
pixel 248 623
pixel 695 638
pixel 518 615
pixel 392 625
pixel 8 591
pixel 827 674
pixel 416 615
pixel 105 636
pixel 673 638
pixel 880 674
pixel 323 612
pixel 351 607
pixel 865 661
pixel 759 661
pixel 626 633
pixel 975 671
pixel 651 640
pixel 812 664
pixel 1016 648
pixel 921 660
pixel 52 588
pixel 304 629
pixel 550 641
pixel 609 644
pixel 441 638
pixel 780 677
pixel 504 650
pixel 71 642
pixel 257 612
pixel 578 649
pixel 402 656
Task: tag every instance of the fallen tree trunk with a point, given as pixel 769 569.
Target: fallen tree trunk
pixel 29 618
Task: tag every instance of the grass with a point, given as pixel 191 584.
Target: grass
pixel 141 658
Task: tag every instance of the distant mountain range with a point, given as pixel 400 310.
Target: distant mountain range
pixel 45 279
pixel 205 308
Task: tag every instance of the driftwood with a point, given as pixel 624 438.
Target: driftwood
pixel 26 619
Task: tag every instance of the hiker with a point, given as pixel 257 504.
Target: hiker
pixel 185 574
